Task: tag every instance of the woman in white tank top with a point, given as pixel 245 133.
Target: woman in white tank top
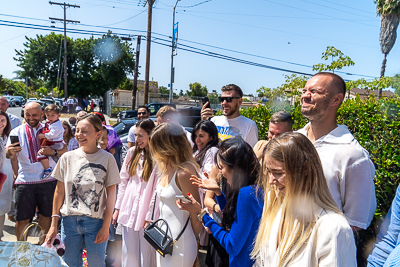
pixel 172 152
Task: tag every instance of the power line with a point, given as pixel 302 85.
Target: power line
pixel 125 19
pixel 334 8
pixel 185 47
pixel 198 4
pixel 353 8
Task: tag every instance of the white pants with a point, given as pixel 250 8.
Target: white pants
pixel 136 251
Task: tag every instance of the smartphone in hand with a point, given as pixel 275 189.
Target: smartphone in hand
pixel 14 139
pixel 205 100
pixel 183 198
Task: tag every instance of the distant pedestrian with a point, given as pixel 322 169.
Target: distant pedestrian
pixel 70 103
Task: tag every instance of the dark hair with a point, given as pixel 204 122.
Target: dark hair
pixel 100 116
pixel 239 156
pixel 147 109
pixel 210 128
pixel 7 129
pixel 231 87
pixel 70 134
pixel 72 120
pixel 52 107
pixel 282 116
pixel 337 82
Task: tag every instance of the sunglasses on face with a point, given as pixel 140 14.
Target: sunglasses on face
pixel 227 99
pixel 142 113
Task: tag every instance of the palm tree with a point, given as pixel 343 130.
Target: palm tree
pixel 389 10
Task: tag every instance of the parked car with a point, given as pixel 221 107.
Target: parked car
pixel 48 101
pixel 11 101
pixel 32 98
pixel 153 108
pixel 190 116
pixel 19 100
pixel 123 126
pixel 41 103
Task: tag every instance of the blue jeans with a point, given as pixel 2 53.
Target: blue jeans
pixel 78 232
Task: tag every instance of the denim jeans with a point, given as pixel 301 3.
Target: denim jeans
pixel 78 232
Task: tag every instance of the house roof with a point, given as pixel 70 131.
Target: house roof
pixel 364 93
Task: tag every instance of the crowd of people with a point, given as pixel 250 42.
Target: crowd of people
pixel 299 198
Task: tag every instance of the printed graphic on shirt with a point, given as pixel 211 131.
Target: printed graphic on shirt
pixel 87 189
pixel 227 132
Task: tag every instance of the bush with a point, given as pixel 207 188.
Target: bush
pixel 116 110
pixel 376 126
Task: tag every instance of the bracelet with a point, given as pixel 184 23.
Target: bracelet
pixel 201 215
pixel 214 207
pixel 55 215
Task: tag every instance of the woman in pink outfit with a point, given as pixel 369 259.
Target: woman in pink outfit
pixel 135 199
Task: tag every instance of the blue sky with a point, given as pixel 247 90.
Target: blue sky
pixel 286 30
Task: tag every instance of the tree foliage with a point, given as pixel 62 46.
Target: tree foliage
pixel 126 85
pixel 196 89
pixel 93 65
pixel 336 64
pixel 396 83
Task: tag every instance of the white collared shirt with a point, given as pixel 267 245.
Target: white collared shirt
pixel 56 131
pixel 28 172
pixel 349 173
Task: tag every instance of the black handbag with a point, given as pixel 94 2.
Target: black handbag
pixel 159 239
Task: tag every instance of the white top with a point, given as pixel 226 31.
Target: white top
pixel 189 136
pixel 72 144
pixel 28 172
pixel 70 101
pixel 86 177
pixel 208 161
pixel 131 134
pixel 331 243
pixel 349 173
pixel 56 131
pixel 238 126
pixel 15 121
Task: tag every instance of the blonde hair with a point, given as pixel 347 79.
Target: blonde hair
pixel 166 110
pixel 169 145
pixel 306 192
pixel 147 125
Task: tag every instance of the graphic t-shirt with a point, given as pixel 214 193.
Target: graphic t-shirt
pixel 85 177
pixel 238 126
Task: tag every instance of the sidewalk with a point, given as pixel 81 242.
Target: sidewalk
pixel 9 231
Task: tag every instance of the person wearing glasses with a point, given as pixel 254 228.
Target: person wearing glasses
pixel 231 123
pixel 143 113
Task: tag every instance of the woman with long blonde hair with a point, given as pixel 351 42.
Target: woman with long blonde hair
pixel 172 153
pixel 301 224
pixel 135 199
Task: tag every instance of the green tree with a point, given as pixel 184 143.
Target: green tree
pixel 196 89
pixel 181 93
pixel 126 85
pixel 389 10
pixel 163 90
pixel 336 64
pixel 396 83
pixel 94 65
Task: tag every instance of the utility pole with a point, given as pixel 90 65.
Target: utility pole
pixel 174 40
pixel 148 44
pixel 26 83
pixel 65 6
pixel 135 75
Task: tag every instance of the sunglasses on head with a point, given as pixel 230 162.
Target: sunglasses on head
pixel 227 99
pixel 142 113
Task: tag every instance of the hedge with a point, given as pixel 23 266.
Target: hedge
pixel 116 110
pixel 376 126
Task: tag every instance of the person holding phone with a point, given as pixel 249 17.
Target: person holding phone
pixel 231 123
pixel 241 208
pixel 136 198
pixel 85 196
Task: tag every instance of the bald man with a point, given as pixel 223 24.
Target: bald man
pixel 348 169
pixel 31 191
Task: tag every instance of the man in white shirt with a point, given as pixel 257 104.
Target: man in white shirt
pixel 15 121
pixel 231 123
pixel 142 113
pixel 31 191
pixel 347 167
pixel 169 114
pixel 71 104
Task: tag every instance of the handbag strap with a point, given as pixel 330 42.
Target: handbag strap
pixel 154 206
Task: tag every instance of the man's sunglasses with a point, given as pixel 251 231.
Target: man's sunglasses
pixel 142 113
pixel 227 99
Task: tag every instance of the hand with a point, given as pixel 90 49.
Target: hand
pixel 41 136
pixel 102 235
pixel 207 229
pixel 115 217
pixel 13 149
pixel 259 152
pixel 46 150
pixel 51 234
pixel 209 184
pixel 146 223
pixel 193 208
pixel 206 112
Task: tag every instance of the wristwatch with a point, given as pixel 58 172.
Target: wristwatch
pixel 201 215
pixel 55 152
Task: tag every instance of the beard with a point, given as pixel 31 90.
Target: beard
pixel 232 111
pixel 315 112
